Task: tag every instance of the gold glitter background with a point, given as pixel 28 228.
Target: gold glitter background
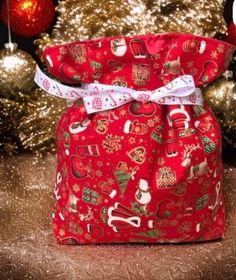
pixel 81 19
pixel 28 249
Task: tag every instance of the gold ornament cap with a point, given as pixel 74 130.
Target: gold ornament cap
pixel 11 47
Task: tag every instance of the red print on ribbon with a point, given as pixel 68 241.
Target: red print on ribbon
pixel 97 103
pixel 46 84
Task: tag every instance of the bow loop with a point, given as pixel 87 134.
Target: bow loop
pixel 100 97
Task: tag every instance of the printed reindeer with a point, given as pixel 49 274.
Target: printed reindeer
pixel 86 216
pixel 196 170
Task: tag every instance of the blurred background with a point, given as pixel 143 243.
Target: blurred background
pixel 28 115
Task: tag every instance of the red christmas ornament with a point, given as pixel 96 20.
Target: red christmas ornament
pixel 28 17
pixel 232 33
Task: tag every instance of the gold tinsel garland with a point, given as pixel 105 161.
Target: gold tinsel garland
pixel 197 17
pixel 37 128
pixel 10 112
pixel 28 115
pixel 28 123
pixel 82 20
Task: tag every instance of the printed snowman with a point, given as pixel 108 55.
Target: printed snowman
pixel 143 195
pixel 118 46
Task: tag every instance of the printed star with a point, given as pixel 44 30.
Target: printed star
pixel 172 46
pixel 99 163
pixel 208 118
pixel 190 64
pixel 132 140
pixel 123 112
pixel 156 55
pixel 62 232
pixel 87 236
pixel 63 50
pixel 221 48
pixel 59 58
pixel 214 54
pixel 156 65
pixel 161 161
pixel 99 173
pixel 82 109
pixel 110 181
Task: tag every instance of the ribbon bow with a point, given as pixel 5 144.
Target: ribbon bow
pixel 100 97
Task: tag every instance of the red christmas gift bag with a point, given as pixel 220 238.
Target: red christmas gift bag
pixel 139 152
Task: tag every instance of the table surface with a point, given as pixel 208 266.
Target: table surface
pixel 28 249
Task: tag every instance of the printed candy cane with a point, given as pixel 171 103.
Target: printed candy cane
pixel 217 199
pixel 56 188
pixel 123 216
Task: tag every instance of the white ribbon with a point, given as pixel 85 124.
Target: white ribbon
pixel 234 12
pixel 100 97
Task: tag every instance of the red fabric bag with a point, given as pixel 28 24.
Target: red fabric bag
pixel 143 171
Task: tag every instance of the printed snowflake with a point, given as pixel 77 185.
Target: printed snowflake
pixel 111 143
pixel 151 123
pixel 99 173
pixel 221 48
pixel 76 188
pixel 87 236
pixel 62 232
pixel 190 64
pixel 214 54
pixel 110 181
pixel 123 112
pixel 82 109
pixel 63 50
pixel 156 119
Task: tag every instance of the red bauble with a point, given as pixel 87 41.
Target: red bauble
pixel 28 17
pixel 232 33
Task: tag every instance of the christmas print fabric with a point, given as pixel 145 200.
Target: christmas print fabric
pixel 142 172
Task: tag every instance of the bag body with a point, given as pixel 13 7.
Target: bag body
pixel 142 172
